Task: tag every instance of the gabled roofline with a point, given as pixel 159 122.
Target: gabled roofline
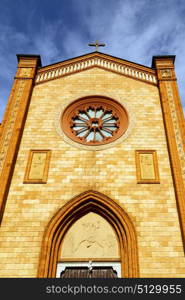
pixel 99 60
pixel 96 52
pixel 172 57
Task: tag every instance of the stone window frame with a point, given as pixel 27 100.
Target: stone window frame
pixel 43 180
pixel 95 102
pixel 156 180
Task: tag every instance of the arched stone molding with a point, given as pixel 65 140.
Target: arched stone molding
pixel 89 201
pixel 126 106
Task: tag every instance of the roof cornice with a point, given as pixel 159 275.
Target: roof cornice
pixel 100 60
pixel 162 57
pixel 30 56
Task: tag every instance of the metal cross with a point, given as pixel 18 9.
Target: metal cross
pixel 97 44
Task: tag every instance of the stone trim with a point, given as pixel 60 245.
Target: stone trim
pixel 57 123
pixel 12 129
pixel 20 86
pixel 43 178
pixel 72 211
pixel 176 126
pixel 174 133
pixel 106 105
pixel 122 67
pixel 155 167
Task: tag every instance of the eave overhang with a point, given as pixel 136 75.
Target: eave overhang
pixel 100 60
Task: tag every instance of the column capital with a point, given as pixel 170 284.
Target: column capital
pixel 27 60
pixel 27 66
pixel 164 66
pixel 161 61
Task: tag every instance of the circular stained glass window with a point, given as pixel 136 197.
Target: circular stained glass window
pixel 94 121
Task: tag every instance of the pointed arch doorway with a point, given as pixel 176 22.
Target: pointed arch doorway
pixel 89 208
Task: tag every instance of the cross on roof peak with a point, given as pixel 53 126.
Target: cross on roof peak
pixel 97 45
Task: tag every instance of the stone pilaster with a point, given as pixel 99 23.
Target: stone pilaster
pixel 14 119
pixel 174 126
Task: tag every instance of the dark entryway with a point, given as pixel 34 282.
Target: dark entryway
pixel 85 272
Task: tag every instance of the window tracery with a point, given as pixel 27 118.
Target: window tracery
pixel 94 121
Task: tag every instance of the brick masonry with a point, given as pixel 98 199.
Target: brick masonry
pixel 112 171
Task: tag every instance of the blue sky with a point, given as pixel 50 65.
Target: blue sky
pixel 134 30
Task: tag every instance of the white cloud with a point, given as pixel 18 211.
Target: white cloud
pixel 133 30
pixel 44 43
pixel 137 30
pixel 13 42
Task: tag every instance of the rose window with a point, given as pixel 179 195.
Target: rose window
pixel 95 124
pixel 94 121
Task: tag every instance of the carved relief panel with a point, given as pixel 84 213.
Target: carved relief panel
pixel 25 72
pixel 37 166
pixel 90 237
pixel 166 73
pixel 147 166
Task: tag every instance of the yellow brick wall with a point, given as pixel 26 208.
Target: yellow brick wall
pixel 152 207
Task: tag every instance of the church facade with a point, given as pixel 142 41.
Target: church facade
pixel 92 170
